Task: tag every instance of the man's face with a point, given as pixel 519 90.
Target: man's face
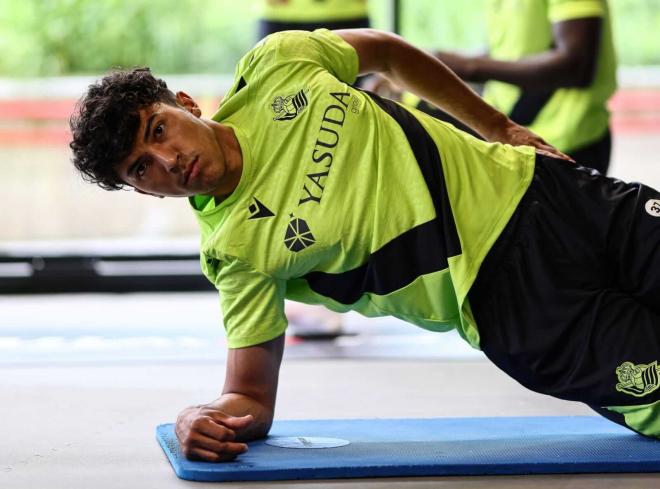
pixel 176 153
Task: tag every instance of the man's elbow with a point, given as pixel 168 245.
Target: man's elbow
pixel 578 72
pixel 375 48
pixel 585 76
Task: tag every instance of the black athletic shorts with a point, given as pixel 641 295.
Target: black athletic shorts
pixel 568 300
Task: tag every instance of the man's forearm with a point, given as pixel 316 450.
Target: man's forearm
pixel 545 71
pixel 429 78
pixel 217 431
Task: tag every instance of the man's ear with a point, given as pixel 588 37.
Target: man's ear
pixel 147 193
pixel 187 102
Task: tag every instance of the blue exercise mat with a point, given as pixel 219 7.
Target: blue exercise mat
pixel 427 447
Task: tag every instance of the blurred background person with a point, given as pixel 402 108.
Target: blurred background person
pixel 308 15
pixel 551 66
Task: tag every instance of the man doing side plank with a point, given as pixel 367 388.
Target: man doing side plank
pixel 308 189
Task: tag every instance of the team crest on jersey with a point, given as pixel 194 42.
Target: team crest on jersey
pixel 637 380
pixel 298 235
pixel 287 108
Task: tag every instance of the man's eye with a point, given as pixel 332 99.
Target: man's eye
pixel 141 170
pixel 159 130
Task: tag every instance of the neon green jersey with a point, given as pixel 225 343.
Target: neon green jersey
pixel 568 118
pixel 348 200
pixel 314 10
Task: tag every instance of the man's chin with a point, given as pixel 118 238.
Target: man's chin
pixel 197 190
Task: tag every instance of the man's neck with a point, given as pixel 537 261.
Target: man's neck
pixel 233 157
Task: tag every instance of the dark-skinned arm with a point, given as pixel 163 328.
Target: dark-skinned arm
pixel 571 62
pixel 424 75
pixel 217 431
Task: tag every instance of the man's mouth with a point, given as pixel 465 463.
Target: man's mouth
pixel 191 171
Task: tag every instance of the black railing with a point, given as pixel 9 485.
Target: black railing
pixel 34 274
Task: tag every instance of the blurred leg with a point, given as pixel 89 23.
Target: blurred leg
pixel 309 321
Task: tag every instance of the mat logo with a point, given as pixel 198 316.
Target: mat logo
pixel 298 236
pixel 637 380
pixel 653 207
pixel 287 108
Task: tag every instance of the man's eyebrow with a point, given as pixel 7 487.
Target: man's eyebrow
pixel 147 131
pixel 147 127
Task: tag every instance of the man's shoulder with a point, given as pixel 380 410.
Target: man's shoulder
pixel 279 45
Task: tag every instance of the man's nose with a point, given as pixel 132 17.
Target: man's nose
pixel 169 159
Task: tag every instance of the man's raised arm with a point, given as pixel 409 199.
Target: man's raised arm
pixel 424 75
pixel 216 432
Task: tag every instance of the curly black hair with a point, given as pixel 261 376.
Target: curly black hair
pixel 106 120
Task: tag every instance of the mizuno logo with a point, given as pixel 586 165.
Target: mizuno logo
pixel 287 108
pixel 258 210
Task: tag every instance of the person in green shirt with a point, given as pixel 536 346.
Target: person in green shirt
pixel 551 66
pixel 309 189
pixel 309 15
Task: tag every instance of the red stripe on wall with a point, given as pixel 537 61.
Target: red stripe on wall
pixel 633 112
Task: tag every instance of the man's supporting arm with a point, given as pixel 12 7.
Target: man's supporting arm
pixel 424 75
pixel 571 62
pixel 217 431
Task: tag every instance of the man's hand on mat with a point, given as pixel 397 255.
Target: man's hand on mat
pixel 517 135
pixel 208 434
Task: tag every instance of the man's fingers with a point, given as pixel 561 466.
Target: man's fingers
pixel 547 149
pixel 210 456
pixel 517 135
pixel 208 434
pixel 232 422
pixel 213 429
pixel 201 454
pixel 221 448
pixel 238 423
pixel 554 153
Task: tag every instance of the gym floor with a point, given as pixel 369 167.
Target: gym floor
pixel 84 380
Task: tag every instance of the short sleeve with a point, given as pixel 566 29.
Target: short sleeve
pixel 322 47
pixel 252 304
pixel 561 10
